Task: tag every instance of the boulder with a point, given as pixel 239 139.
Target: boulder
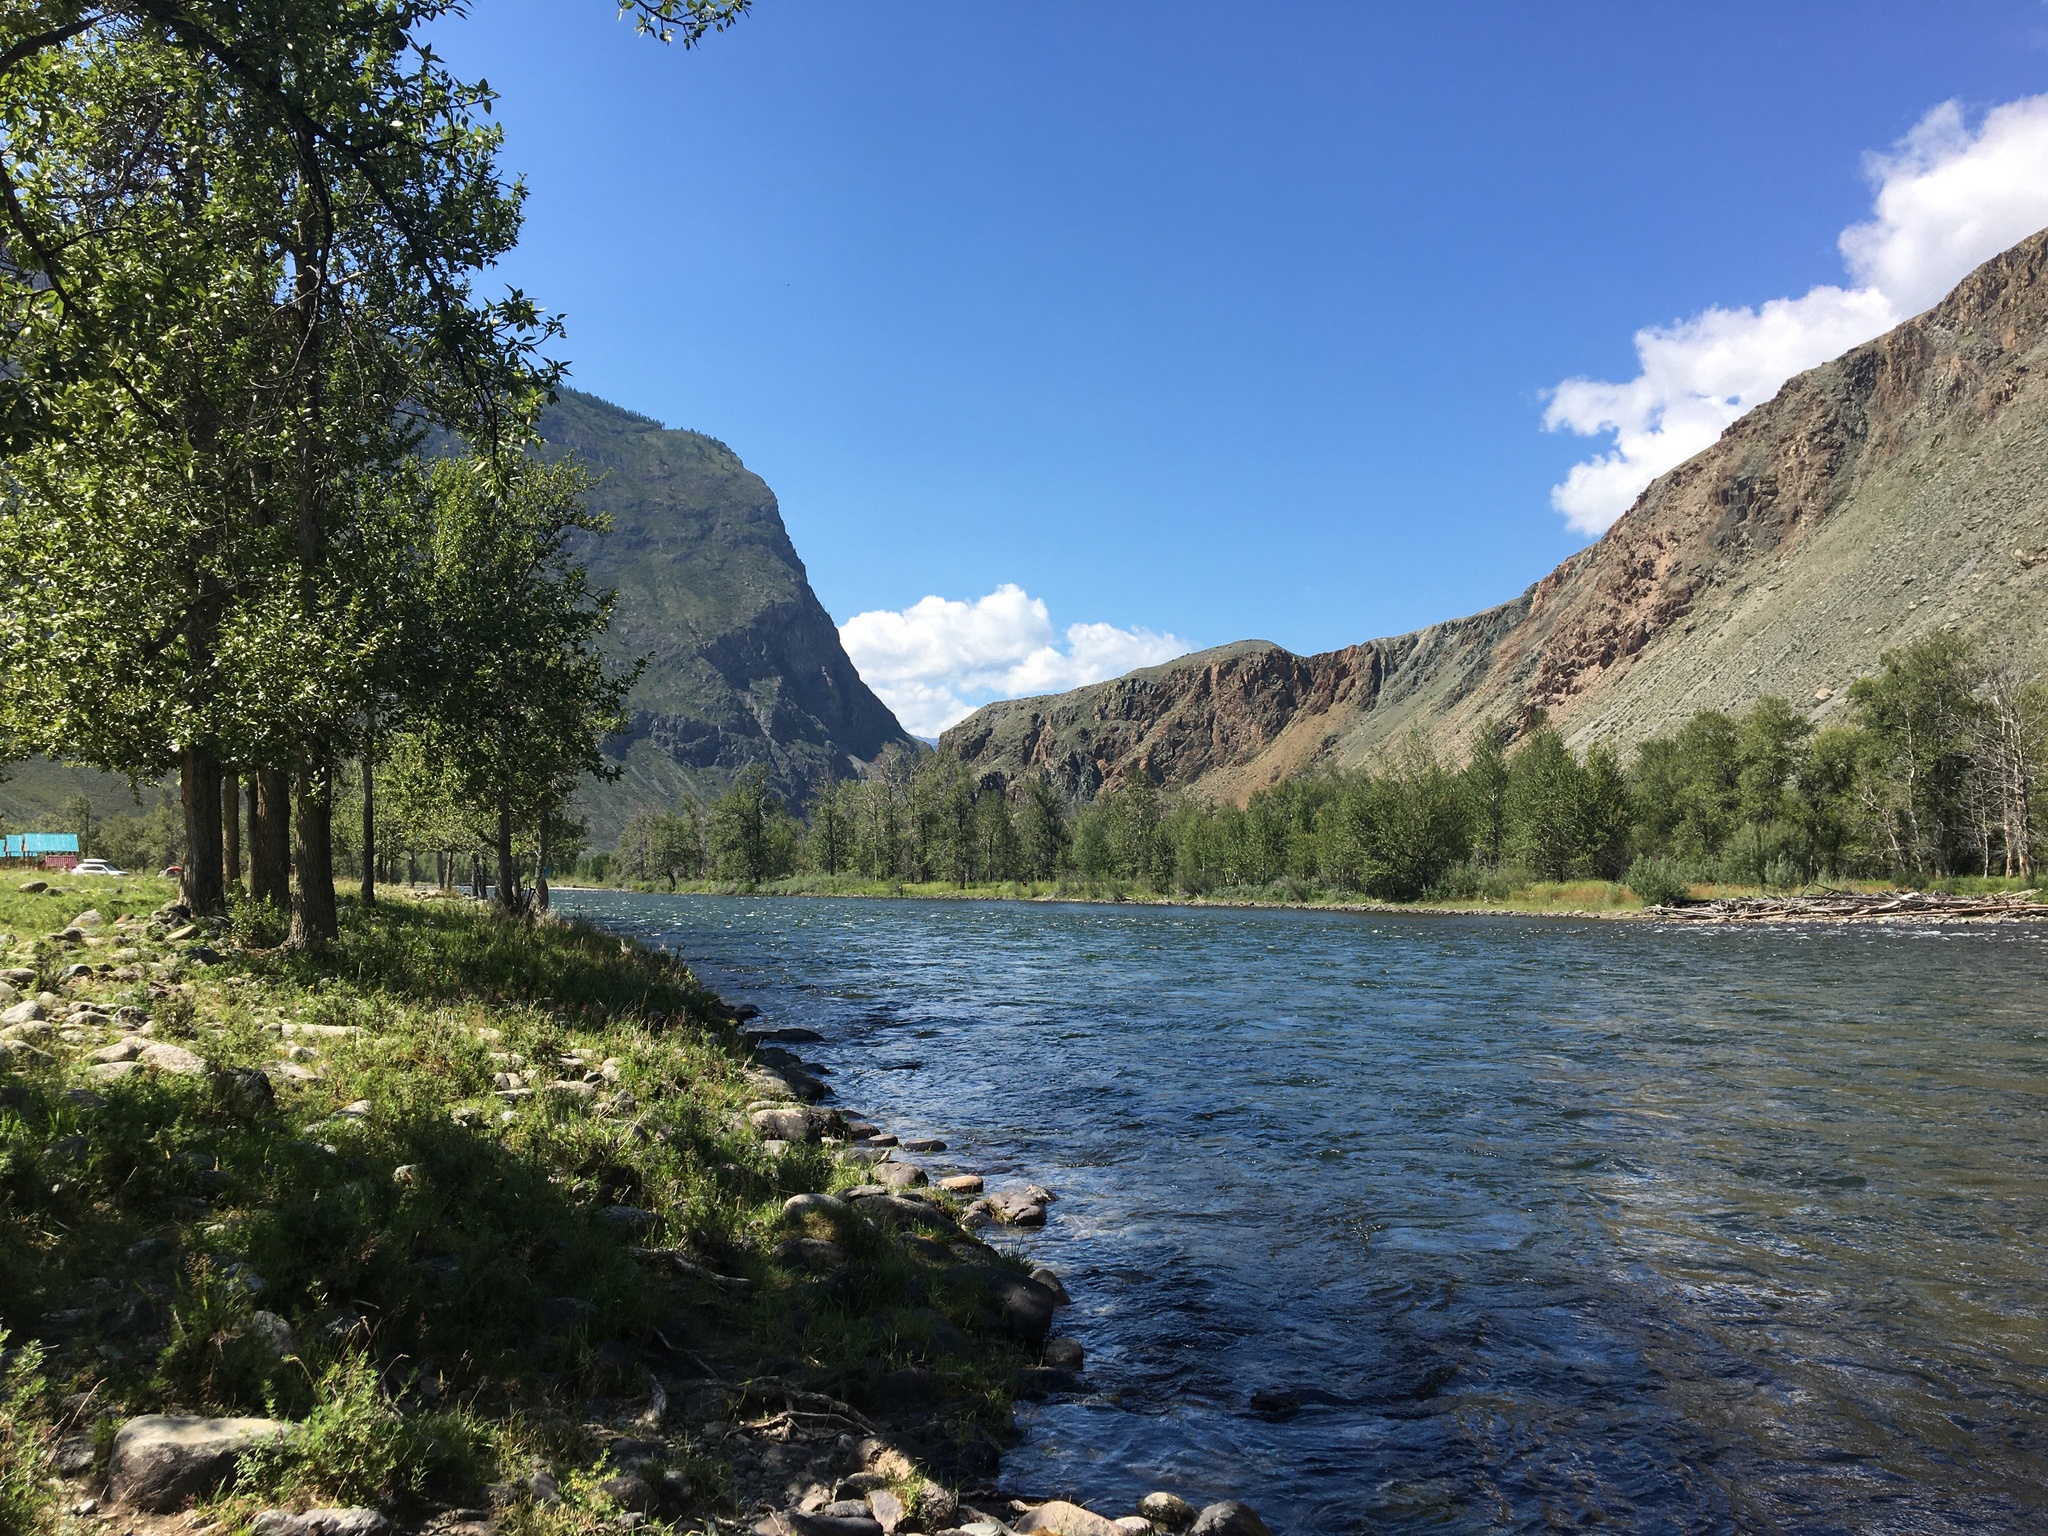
pixel 1169 1510
pixel 793 1124
pixel 90 918
pixel 1229 1518
pixel 903 1209
pixel 1024 1307
pixel 810 1253
pixel 1051 1282
pixel 34 887
pixel 26 1012
pixel 831 1207
pixel 899 1175
pixel 629 1491
pixel 1134 1525
pixel 802 1524
pixel 163 1057
pixel 1064 1354
pixel 120 1050
pixel 161 1460
pixel 887 1509
pixel 244 1090
pixel 1017 1209
pixel 320 1522
pixel 1064 1519
pixel 961 1183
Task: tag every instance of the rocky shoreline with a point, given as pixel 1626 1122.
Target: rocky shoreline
pixel 901 1192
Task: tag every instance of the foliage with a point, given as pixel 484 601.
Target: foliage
pixel 27 1503
pixel 1659 880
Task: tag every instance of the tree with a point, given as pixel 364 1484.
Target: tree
pixel 1921 713
pixel 1044 833
pixel 832 819
pixel 519 698
pixel 741 824
pixel 1486 788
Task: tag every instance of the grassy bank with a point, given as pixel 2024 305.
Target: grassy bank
pixel 1556 898
pixel 478 1206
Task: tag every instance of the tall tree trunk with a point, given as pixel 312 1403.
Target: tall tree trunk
pixel 199 790
pixel 540 868
pixel 230 830
pixel 369 831
pixel 508 869
pixel 315 921
pixel 270 838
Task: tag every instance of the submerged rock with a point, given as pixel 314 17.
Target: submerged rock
pixel 1228 1518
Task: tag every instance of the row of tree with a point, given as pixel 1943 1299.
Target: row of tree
pixel 1935 770
pixel 270 503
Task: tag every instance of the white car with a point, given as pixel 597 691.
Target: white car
pixel 96 867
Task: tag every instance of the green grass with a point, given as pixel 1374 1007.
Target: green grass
pixel 449 1249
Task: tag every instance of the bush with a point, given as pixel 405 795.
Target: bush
pixel 356 1448
pixel 26 1502
pixel 1658 881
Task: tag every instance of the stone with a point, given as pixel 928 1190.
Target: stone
pixel 810 1253
pixel 162 1057
pixel 1064 1519
pixel 801 1523
pixel 961 1183
pixel 831 1207
pixel 1228 1518
pixel 1015 1209
pixel 90 918
pixel 924 1144
pixel 903 1209
pixel 320 1522
pixel 628 1218
pixel 244 1090
pixel 1167 1509
pixel 899 1175
pixel 1024 1306
pixel 275 1333
pixel 34 887
pixel 160 1460
pixel 937 1506
pixel 1051 1282
pixel 1064 1354
pixel 359 1110
pixel 181 933
pixel 9 996
pixel 1134 1525
pixel 629 1491
pixel 27 1012
pixel 114 1071
pixel 792 1124
pixel 879 1139
pixel 888 1510
pixel 73 1456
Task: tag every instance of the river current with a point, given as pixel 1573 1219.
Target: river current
pixel 1513 1224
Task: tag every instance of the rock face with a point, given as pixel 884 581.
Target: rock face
pixel 160 1460
pixel 745 665
pixel 1893 492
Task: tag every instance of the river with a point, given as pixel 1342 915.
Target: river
pixel 1545 1224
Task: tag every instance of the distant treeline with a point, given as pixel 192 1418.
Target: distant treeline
pixel 1933 773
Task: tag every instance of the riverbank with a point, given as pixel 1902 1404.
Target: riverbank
pixel 1961 900
pixel 477 1226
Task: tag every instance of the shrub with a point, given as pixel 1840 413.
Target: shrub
pixel 356 1448
pixel 1658 880
pixel 26 1501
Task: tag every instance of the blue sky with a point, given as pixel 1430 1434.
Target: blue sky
pixel 1220 321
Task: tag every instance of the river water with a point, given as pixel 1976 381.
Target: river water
pixel 1546 1224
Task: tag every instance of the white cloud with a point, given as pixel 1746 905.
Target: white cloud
pixel 940 659
pixel 1946 199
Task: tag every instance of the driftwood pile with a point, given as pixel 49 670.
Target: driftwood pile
pixel 1850 906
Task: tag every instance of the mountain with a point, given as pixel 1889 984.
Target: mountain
pixel 1898 490
pixel 744 664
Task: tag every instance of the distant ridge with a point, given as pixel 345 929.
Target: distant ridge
pixel 1898 490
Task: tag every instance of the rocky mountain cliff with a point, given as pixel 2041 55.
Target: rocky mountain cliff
pixel 745 665
pixel 1900 489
